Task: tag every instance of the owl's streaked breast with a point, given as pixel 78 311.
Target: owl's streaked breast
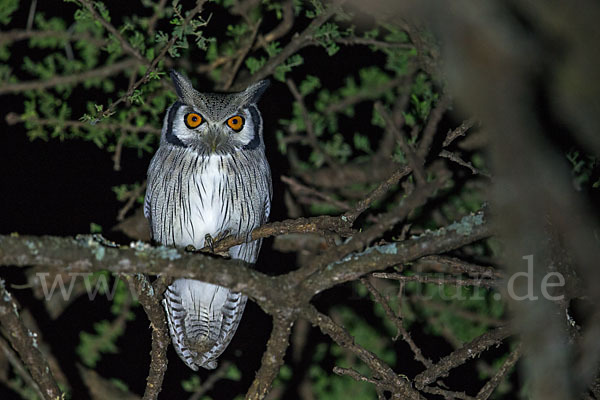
pixel 206 198
pixel 204 195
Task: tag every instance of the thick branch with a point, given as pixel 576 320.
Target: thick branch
pixel 387 221
pixel 273 294
pixel 150 300
pixel 25 342
pixel 272 358
pixel 380 257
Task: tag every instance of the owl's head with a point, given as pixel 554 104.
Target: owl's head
pixel 214 123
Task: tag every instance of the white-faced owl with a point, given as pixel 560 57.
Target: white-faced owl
pixel 209 177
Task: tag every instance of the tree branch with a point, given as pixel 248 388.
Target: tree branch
pixel 272 358
pixel 273 294
pixel 150 301
pixel 113 31
pixel 460 356
pixel 491 385
pixel 25 342
pixel 97 73
pixel 14 118
pixel 298 41
pixel 154 63
pixel 389 379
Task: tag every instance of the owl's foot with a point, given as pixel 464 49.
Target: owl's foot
pixel 211 242
pixel 209 245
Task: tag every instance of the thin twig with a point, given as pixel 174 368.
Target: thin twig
pixel 377 194
pixel 457 159
pixel 372 93
pixel 298 42
pixel 14 118
pixel 352 41
pixel 153 65
pixel 459 131
pixel 447 393
pixel 414 161
pixel 401 330
pixel 432 123
pixel 320 224
pixel 109 27
pixel 354 375
pixel 491 385
pixel 380 369
pixel 131 200
pixel 437 280
pixel 31 15
pixel 287 22
pixel 243 52
pixel 456 265
pixel 461 355
pixel 72 79
pixel 212 379
pixel 298 189
pixel 310 130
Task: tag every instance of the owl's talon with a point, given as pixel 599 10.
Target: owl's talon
pixel 210 242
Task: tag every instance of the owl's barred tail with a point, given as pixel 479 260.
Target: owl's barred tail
pixel 202 320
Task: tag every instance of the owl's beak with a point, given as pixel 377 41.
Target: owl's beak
pixel 213 140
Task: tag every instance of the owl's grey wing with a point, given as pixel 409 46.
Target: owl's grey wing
pixel 249 251
pixel 147 206
pixel 246 251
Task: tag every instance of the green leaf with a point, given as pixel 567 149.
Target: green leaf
pixel 95 228
pixel 91 346
pixel 287 66
pixel 309 85
pixel 7 8
pixel 192 384
pixel 254 64
pixel 233 373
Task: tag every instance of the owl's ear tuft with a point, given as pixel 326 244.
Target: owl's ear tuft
pixel 255 91
pixel 183 87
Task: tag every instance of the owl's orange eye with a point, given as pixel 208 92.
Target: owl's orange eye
pixel 193 120
pixel 236 123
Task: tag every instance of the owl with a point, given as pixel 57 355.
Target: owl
pixel 209 178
